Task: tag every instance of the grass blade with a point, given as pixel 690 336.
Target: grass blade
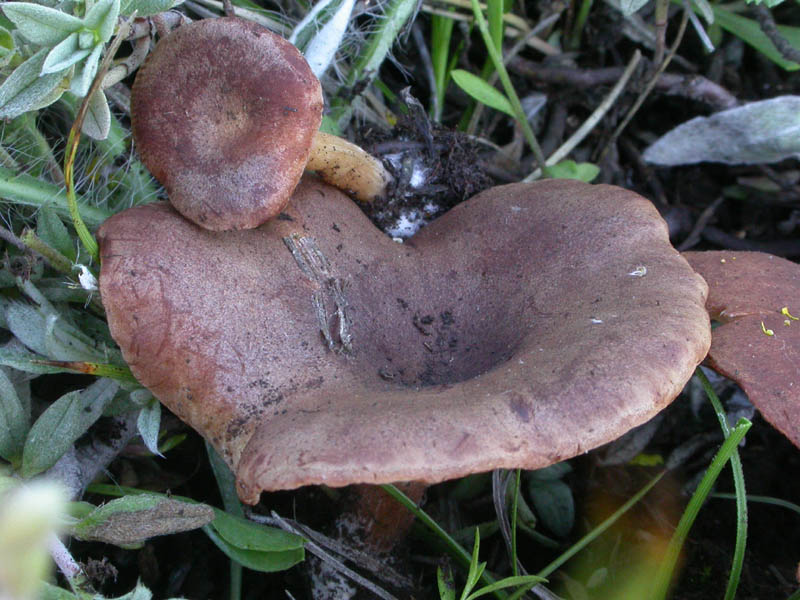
pixel 667 566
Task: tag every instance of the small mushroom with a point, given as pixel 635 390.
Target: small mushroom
pixel 527 325
pixel 226 116
pixel 756 297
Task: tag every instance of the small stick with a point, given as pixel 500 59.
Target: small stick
pixel 577 137
pixel 695 87
pixel 661 15
pixel 697 231
pixel 649 88
pixel 770 29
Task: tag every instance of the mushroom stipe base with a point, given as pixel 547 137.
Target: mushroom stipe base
pixel 527 325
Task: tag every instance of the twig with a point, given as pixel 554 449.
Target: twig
pixel 317 551
pixel 790 247
pixel 69 567
pixel 577 137
pixel 661 16
pixel 696 233
pixel 694 87
pixel 141 47
pixel 500 481
pixel 259 16
pixel 427 64
pixel 770 29
pixel 9 237
pixel 77 468
pixel 148 27
pixel 649 88
pixel 363 559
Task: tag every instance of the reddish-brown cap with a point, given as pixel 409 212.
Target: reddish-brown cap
pixel 525 326
pixel 757 298
pixel 224 114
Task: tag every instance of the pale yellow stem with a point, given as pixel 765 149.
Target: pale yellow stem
pixel 344 165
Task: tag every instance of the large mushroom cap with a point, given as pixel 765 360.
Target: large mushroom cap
pixel 224 115
pixel 525 326
pixel 756 297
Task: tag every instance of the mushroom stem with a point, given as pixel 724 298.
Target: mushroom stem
pixel 346 166
pixel 385 522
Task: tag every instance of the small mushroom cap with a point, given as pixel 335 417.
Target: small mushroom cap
pixel 748 292
pixel 525 326
pixel 224 115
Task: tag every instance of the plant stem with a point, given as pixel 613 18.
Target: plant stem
pixel 670 559
pixel 587 126
pixel 456 549
pixel 741 495
pixel 580 23
pixel 514 561
pixel 497 59
pixel 660 15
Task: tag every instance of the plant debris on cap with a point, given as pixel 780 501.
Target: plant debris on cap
pixel 757 297
pixel 224 114
pixel 527 325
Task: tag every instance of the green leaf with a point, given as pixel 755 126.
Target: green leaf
pixel 266 562
pixel 554 505
pixel 7 46
pixel 131 520
pixel 525 582
pixel 475 568
pixel 48 591
pixel 247 535
pixel 23 189
pixel 551 473
pixel 13 420
pixel 27 325
pixel 628 7
pixel 445 583
pixel 28 362
pixel 26 90
pixel 97 122
pixel 63 422
pixel 482 91
pixel 755 133
pixel 149 425
pixel 751 33
pixel 82 80
pixel 704 8
pixel 140 592
pixel 226 482
pixel 146 8
pixel 102 19
pixel 65 342
pixel 64 55
pixel 54 233
pixel 40 24
pixel 569 169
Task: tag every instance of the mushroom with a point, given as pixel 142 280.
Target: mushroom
pixel 226 116
pixel 756 297
pixel 529 324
